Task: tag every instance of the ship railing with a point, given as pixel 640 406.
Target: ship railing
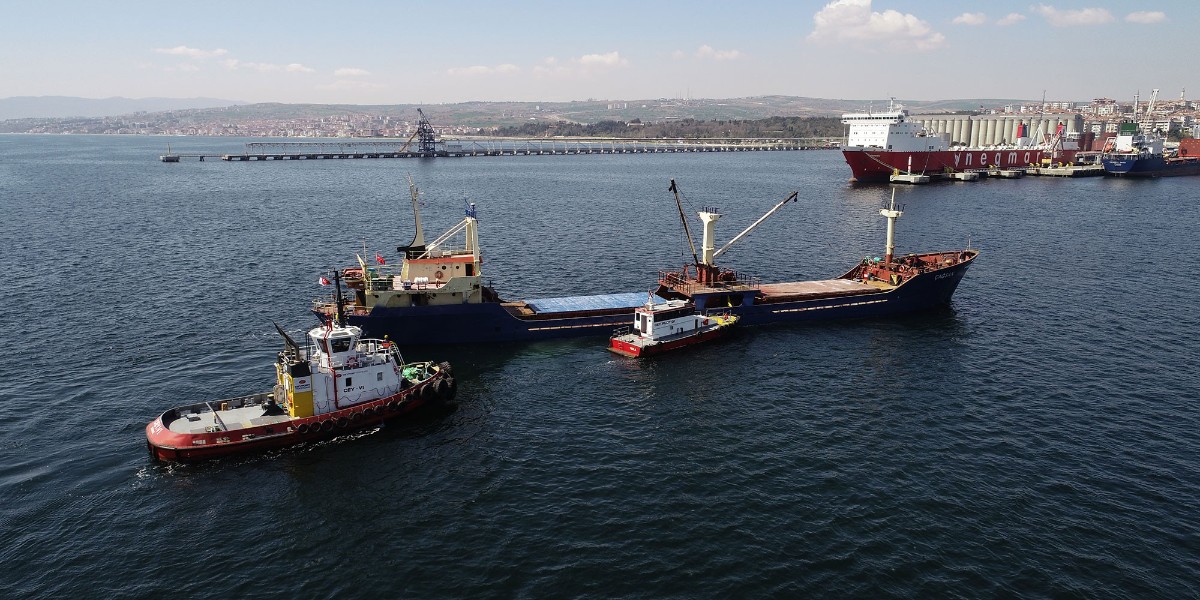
pixel 684 283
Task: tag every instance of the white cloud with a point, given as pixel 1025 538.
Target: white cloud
pixel 1069 18
pixel 1011 19
pixel 853 20
pixel 970 19
pixel 679 55
pixel 611 59
pixel 582 66
pixel 504 69
pixel 1146 17
pixel 351 72
pixel 183 68
pixel 192 52
pixel 707 51
pixel 234 64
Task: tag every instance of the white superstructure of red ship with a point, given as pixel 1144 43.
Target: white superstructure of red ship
pixel 880 144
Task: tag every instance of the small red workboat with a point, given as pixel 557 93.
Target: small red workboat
pixel 667 325
pixel 337 383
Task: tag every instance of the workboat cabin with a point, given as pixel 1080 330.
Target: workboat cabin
pixel 666 325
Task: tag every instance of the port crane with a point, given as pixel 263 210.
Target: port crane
pixel 425 135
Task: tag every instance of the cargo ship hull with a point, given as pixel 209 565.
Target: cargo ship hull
pixel 850 296
pixel 488 322
pixel 846 297
pixel 876 165
pixel 1150 166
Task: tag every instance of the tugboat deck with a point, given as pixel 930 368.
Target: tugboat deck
pixel 233 419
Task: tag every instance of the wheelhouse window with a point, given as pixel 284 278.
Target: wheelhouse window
pixel 339 344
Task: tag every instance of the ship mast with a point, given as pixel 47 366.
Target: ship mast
pixel 892 213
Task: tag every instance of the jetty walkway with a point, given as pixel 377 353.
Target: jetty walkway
pixel 257 151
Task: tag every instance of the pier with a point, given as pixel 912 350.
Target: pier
pixel 260 151
pixel 1092 170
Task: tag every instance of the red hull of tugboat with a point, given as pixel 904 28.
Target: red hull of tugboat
pixel 634 350
pixel 878 165
pixel 169 446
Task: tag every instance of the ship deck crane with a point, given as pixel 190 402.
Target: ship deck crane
pixel 706 271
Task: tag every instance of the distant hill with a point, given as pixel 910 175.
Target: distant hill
pixel 493 114
pixel 25 107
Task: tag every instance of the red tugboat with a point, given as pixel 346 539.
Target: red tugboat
pixel 659 327
pixel 338 383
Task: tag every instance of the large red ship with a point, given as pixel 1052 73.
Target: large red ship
pixel 880 144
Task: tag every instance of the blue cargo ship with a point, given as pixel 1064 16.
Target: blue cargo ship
pixel 1135 153
pixel 437 296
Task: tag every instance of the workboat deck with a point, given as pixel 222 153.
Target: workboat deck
pixel 201 418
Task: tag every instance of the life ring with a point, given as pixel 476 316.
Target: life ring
pixel 342 422
pixel 438 275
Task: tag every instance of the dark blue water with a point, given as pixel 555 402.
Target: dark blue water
pixel 1039 438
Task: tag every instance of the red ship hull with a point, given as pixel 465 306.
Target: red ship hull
pixel 876 165
pixel 168 446
pixel 635 349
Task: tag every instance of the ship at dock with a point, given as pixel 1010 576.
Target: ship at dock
pixel 437 295
pixel 881 144
pixel 1138 150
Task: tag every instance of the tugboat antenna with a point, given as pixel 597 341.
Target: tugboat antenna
pixel 683 219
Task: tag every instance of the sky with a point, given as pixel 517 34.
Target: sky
pixel 402 52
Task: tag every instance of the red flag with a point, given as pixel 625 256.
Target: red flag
pixel 323 280
pixel 379 259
